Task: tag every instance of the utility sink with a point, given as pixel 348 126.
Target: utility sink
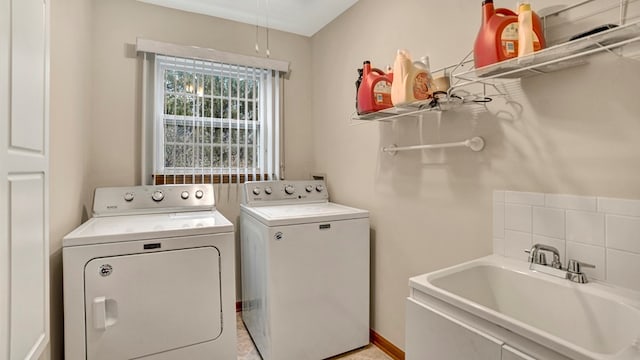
pixel 580 321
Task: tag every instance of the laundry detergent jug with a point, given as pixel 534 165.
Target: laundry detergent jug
pixel 497 39
pixel 411 79
pixel 374 92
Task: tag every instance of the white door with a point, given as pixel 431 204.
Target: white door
pixel 144 304
pixel 24 178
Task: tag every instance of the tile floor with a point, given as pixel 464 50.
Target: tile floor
pixel 247 351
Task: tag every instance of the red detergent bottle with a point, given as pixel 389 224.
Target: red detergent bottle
pixel 497 39
pixel 374 93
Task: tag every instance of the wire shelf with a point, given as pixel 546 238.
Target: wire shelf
pixel 560 56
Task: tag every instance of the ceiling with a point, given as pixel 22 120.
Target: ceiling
pixel 303 17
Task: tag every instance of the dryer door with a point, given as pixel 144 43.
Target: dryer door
pixel 144 304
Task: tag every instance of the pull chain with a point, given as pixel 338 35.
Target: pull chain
pixel 257 25
pixel 268 49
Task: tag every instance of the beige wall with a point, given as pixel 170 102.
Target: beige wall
pixel 70 116
pixel 572 132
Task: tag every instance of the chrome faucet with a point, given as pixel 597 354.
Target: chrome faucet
pixel 573 270
pixel 537 257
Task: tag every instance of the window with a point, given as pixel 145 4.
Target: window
pixel 211 121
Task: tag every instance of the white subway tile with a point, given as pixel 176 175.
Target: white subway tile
pixel 548 222
pixel 525 198
pixel 623 233
pixel 590 254
pixel 572 202
pixel 556 243
pixel 498 195
pixel 515 244
pixel 517 217
pixel 585 227
pixel 623 269
pixel 619 206
pixel 498 246
pixel 498 220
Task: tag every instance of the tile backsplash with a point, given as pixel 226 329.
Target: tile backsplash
pixel 601 231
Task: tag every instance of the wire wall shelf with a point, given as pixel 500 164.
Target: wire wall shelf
pixel 410 110
pixel 618 34
pixel 621 39
pixel 564 55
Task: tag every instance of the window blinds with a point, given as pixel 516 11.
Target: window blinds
pixel 212 121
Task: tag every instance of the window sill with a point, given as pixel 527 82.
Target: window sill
pixel 160 179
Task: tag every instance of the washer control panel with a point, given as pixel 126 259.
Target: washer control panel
pixel 261 192
pixel 111 201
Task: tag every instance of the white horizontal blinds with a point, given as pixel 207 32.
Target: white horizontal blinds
pixel 211 125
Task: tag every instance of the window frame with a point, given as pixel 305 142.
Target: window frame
pixel 276 72
pixel 209 68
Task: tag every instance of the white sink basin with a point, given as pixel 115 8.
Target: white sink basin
pixel 581 321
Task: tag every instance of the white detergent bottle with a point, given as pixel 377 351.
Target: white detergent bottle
pixel 422 82
pixel 402 69
pixel 411 80
pixel 525 30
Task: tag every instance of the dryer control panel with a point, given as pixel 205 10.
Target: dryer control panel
pixel 112 201
pixel 284 191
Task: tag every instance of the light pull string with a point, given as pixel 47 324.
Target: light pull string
pixel 268 49
pixel 257 25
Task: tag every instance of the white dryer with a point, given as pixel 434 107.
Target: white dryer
pixel 151 276
pixel 305 271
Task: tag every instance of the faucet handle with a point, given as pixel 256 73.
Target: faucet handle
pixel 575 266
pixel 536 257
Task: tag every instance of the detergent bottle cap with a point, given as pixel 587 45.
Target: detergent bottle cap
pixel 524 7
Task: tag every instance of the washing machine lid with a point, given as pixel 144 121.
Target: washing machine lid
pixel 100 230
pixel 278 215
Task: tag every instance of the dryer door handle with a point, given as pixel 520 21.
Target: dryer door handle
pixel 105 312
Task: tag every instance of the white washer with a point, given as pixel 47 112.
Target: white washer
pixel 305 271
pixel 151 276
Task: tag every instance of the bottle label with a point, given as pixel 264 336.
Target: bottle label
pixel 382 93
pixel 510 41
pixel 421 86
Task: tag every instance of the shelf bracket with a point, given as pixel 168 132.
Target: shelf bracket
pixel 475 144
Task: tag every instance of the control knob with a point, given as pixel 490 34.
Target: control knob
pixel 320 188
pixel 157 195
pixel 256 191
pixel 199 194
pixel 289 189
pixel 128 196
pixel 309 188
pixel 268 190
pixel 184 195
